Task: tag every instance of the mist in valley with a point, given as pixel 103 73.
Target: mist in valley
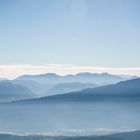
pixel 107 116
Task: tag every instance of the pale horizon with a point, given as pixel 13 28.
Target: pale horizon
pixel 14 71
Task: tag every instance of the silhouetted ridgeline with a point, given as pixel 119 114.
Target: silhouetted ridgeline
pixel 123 91
pixel 52 78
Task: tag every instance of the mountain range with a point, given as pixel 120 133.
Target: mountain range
pixel 28 86
pixel 95 78
pixel 51 83
pixel 123 91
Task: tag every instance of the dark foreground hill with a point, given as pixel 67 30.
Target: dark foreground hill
pixel 121 136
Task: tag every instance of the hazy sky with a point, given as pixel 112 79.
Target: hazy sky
pixel 97 33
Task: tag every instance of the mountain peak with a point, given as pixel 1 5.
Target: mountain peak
pixel 49 75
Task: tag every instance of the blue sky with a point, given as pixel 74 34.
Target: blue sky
pixel 98 33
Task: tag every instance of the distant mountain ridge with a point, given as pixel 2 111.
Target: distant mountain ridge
pixel 95 78
pixel 51 83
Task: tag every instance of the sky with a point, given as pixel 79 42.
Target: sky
pixel 87 34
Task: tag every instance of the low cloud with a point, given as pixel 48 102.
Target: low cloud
pixel 13 71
